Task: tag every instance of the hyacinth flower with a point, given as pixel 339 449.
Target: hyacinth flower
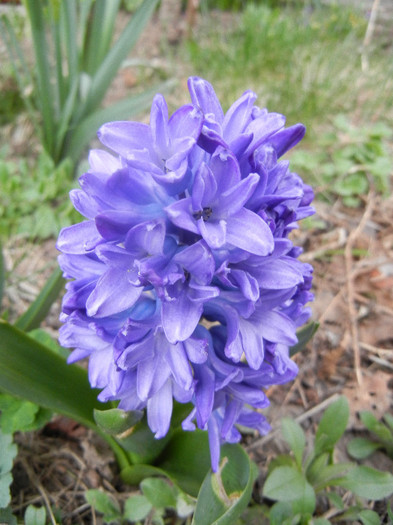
pixel 184 283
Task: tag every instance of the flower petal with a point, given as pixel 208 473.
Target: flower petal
pixel 159 411
pixel 248 231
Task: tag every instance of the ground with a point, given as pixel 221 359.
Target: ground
pixel 351 354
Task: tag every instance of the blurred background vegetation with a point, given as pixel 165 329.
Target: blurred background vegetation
pixel 326 64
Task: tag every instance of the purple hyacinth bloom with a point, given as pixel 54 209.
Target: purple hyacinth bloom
pixel 187 226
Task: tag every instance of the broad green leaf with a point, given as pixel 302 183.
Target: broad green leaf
pixel 136 508
pixel 8 453
pixel 39 309
pixel 104 503
pixel 279 512
pixel 329 472
pixel 304 335
pixel 32 371
pixel 141 444
pixel 335 500
pixel 35 515
pixel 135 474
pixel 379 429
pixel 224 495
pixel 44 338
pixel 288 484
pixel 115 421
pixel 315 465
pixel 20 415
pixel 332 426
pixel 281 460
pixel 367 483
pixel 369 517
pixel 159 493
pixel 294 436
pixel 361 448
pixel 320 521
pixel 186 460
pixel 6 516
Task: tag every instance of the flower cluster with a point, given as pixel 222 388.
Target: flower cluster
pixel 185 284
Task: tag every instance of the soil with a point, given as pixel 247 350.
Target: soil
pixel 351 354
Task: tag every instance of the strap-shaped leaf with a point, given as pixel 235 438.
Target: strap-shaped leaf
pixel 304 335
pixel 39 309
pixel 2 274
pixel 119 51
pixel 32 371
pixel 224 496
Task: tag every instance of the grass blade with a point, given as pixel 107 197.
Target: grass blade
pixel 38 310
pixel 100 33
pixel 113 60
pixel 2 274
pixel 45 98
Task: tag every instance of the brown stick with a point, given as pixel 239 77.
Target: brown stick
pixel 351 287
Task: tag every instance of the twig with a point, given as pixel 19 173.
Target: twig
pixel 376 349
pixel 35 481
pixel 381 362
pixel 351 287
pixel 309 413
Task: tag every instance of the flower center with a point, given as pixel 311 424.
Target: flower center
pixel 204 214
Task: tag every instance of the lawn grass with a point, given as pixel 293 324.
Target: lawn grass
pixel 309 65
pixel 303 62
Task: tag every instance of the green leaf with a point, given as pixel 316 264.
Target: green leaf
pixel 279 512
pixel 6 516
pixel 332 426
pixel 224 495
pixel 135 474
pixel 2 274
pixel 320 521
pixel 143 447
pixel 8 453
pixel 186 460
pixel 136 508
pixel 304 335
pixel 104 503
pixel 379 429
pixel 367 483
pixel 369 517
pixel 119 51
pixel 39 309
pixel 40 335
pixel 316 464
pixel 35 515
pixel 288 484
pixel 361 448
pixel 389 421
pixel 294 436
pixel 335 500
pixel 20 415
pixel 159 493
pixel 32 371
pixel 115 421
pixel 329 472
